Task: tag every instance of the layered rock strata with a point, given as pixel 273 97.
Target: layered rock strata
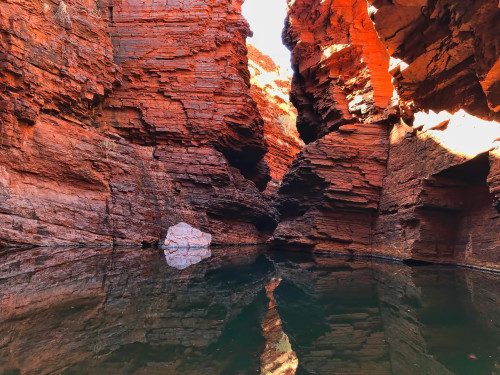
pixel 270 90
pixel 341 67
pixel 342 90
pixel 438 199
pixel 329 198
pixel 121 118
pixel 445 52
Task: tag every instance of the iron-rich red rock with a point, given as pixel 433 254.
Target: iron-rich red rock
pixel 119 119
pixel 441 186
pixel 449 49
pixel 341 67
pixel 270 90
pixel 329 198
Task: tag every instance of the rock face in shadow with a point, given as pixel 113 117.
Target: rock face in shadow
pixel 448 52
pixel 329 198
pixel 435 196
pixel 121 118
pixel 438 198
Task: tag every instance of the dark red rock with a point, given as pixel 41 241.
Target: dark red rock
pixel 121 119
pixel 329 198
pixel 341 67
pixel 437 201
pixel 450 50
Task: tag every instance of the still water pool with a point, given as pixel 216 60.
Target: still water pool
pixel 241 311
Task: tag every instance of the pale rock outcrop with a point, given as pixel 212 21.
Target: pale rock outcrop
pixel 183 235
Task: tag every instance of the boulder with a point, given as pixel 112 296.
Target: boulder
pixel 183 235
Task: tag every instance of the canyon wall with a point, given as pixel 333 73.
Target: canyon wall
pixel 342 90
pixel 121 118
pixel 270 87
pixel 425 184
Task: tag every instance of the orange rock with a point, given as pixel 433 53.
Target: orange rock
pixel 450 49
pixel 441 181
pixel 270 90
pixel 341 67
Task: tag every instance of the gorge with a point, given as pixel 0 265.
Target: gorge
pixel 339 201
pixel 122 118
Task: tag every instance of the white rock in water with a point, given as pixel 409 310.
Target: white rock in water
pixel 184 235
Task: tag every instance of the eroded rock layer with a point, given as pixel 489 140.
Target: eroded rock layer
pixel 121 118
pixel 341 67
pixel 270 90
pixel 329 198
pixel 439 197
pixel 448 50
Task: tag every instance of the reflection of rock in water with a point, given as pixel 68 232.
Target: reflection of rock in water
pixel 104 310
pixel 124 311
pixel 385 318
pixel 278 357
pixel 181 258
pixel 331 313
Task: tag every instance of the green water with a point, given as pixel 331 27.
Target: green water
pixel 125 311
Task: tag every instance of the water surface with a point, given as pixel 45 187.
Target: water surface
pixel 241 311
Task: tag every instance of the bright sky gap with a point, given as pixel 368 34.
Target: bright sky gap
pixel 266 19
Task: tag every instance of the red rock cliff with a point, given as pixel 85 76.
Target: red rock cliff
pixel 270 90
pixel 438 198
pixel 342 90
pixel 436 183
pixel 121 118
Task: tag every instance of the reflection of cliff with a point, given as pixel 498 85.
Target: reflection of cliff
pixel 278 357
pixel 117 310
pixel 99 310
pixel 331 313
pixel 389 318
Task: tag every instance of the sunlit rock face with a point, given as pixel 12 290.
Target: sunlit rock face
pixel 344 96
pixel 341 67
pixel 121 118
pixel 270 87
pixel 449 51
pixel 438 199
